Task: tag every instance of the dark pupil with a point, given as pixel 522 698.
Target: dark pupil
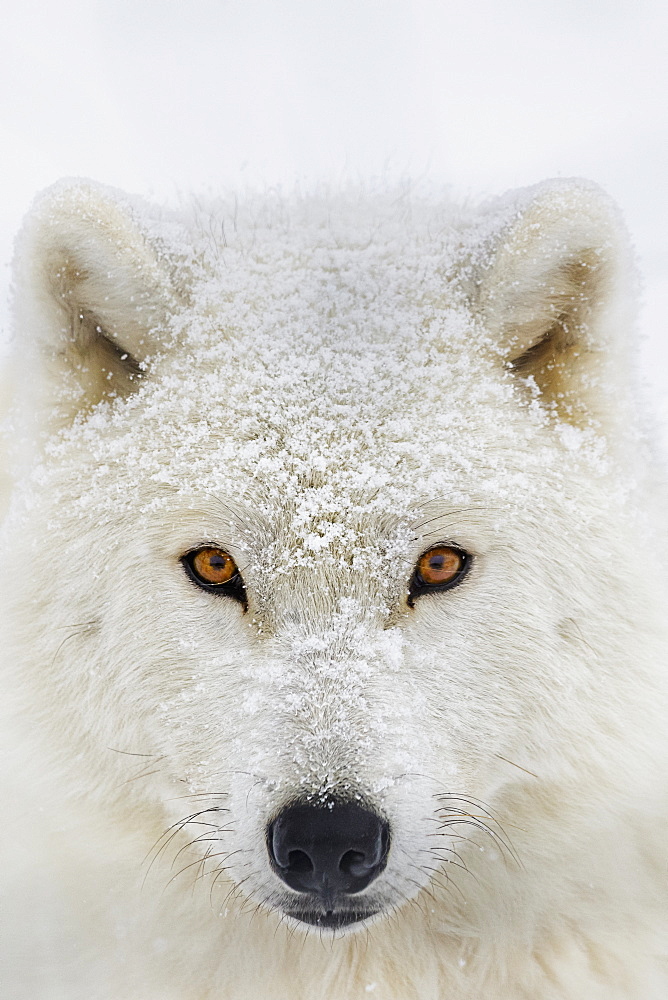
pixel 217 561
pixel 436 562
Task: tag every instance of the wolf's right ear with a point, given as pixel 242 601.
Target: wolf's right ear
pixel 92 289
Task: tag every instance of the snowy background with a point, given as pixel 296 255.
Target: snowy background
pixel 157 97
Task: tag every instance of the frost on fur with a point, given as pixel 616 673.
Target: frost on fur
pixel 324 390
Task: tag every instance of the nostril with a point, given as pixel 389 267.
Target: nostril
pixel 360 863
pixel 354 863
pixel 299 862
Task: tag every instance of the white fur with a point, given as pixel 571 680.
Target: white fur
pixel 326 387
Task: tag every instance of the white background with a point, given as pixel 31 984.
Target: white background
pixel 480 94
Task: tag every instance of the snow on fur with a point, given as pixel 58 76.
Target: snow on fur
pixel 325 387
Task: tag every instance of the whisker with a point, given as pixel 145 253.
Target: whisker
pixel 199 795
pixel 81 626
pixel 144 774
pixel 518 766
pixel 450 513
pixel 202 837
pixel 240 521
pixel 461 819
pixel 202 864
pixel 449 850
pixel 220 871
pixel 220 867
pixel 176 828
pixel 73 635
pixel 192 864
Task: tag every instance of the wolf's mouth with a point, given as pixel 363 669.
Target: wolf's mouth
pixel 331 919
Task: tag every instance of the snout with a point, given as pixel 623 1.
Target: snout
pixel 328 854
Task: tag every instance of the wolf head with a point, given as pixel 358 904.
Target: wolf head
pixel 330 517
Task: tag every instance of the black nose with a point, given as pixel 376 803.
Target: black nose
pixel 330 849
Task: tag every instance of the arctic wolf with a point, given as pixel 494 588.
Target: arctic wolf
pixel 335 605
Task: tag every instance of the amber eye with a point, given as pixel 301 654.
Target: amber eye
pixel 440 565
pixel 438 568
pixel 215 569
pixel 213 566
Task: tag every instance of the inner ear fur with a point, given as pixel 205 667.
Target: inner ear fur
pixel 92 291
pixel 554 294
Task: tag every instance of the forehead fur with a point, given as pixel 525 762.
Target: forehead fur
pixel 326 357
pixel 326 363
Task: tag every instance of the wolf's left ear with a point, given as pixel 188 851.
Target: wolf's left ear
pixel 93 291
pixel 553 291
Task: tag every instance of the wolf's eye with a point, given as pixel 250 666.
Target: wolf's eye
pixel 438 568
pixel 215 569
pixel 212 566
